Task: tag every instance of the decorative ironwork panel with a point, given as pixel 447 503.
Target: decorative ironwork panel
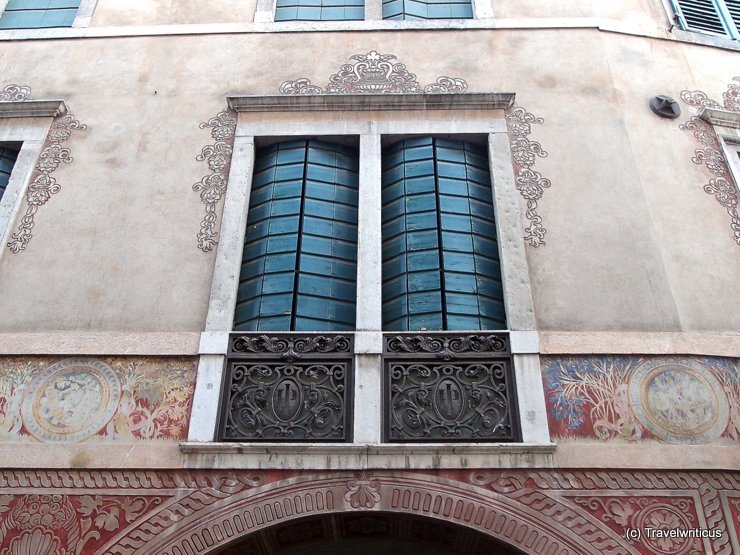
pixel 445 387
pixel 287 387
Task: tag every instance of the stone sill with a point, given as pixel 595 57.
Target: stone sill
pixel 341 456
pixel 32 108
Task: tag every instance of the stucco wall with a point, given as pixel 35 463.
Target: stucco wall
pixel 633 241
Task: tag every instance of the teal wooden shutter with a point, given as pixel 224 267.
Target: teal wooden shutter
pixel 721 17
pixel 427 9
pixel 319 10
pixel 35 14
pixel 299 264
pixel 8 157
pixel 440 255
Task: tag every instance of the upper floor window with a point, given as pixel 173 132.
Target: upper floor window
pixel 718 17
pixel 319 10
pixel 427 9
pixel 8 157
pixel 35 14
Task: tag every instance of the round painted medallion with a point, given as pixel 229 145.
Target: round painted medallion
pixel 71 400
pixel 679 402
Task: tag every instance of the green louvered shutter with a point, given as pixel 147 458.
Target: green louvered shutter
pixel 8 157
pixel 440 256
pixel 299 263
pixel 721 17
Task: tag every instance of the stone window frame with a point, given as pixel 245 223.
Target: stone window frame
pixel 26 122
pixel 727 127
pixel 265 13
pixel 395 115
pixel 82 19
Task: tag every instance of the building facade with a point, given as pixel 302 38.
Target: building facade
pixel 309 277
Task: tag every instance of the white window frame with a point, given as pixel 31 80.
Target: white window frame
pixel 319 116
pixel 26 122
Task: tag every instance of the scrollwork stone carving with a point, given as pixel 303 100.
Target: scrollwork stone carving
pixel 14 93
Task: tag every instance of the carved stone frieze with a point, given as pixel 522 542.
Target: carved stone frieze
pixel 42 185
pixel 549 511
pixel 212 187
pixel 530 183
pixel 374 73
pixel 721 186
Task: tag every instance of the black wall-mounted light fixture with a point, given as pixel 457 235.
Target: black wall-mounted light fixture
pixel 665 106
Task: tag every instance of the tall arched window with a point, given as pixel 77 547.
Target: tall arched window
pixel 299 263
pixel 440 255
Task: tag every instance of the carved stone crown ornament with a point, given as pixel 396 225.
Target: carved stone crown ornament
pixel 721 186
pixel 42 185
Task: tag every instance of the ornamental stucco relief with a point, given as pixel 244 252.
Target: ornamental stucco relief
pixel 682 400
pixel 86 399
pixel 530 183
pixel 212 187
pixel 42 185
pixel 710 154
pixel 374 73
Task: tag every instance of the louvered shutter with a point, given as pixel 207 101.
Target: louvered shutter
pixel 440 255
pixel 299 263
pixel 720 17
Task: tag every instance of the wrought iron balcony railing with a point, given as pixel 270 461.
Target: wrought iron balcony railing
pixel 441 387
pixel 287 387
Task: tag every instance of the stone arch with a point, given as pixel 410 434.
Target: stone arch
pixel 528 521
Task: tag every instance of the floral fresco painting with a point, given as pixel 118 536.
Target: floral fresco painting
pixel 684 400
pixel 124 399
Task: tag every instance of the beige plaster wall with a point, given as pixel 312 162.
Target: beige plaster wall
pixel 633 241
pixel 170 12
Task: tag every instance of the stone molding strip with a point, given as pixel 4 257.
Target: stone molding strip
pixel 586 23
pixel 363 456
pixel 32 108
pixel 369 102
pixel 642 343
pixel 721 118
pixel 100 343
pixel 194 343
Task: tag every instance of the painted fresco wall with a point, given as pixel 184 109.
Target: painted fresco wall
pixel 71 400
pixel 679 400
